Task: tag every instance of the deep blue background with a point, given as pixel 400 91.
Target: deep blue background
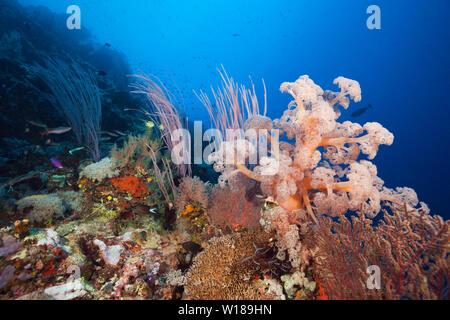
pixel 403 68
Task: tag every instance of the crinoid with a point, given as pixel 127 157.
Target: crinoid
pixel 265 257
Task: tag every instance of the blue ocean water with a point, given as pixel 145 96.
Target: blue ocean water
pixel 403 68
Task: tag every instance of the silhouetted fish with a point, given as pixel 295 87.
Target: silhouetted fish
pixel 101 73
pixel 236 34
pixel 361 111
pixel 107 45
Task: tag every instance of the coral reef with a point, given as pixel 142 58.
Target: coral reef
pixel 76 95
pixel 306 220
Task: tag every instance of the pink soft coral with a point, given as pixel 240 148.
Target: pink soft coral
pixel 295 175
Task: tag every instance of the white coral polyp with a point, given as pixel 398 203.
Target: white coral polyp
pixel 378 133
pixel 322 177
pixel 350 87
pixel 268 166
pixel 326 116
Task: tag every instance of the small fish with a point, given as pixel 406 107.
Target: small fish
pixel 152 210
pixel 60 130
pixel 75 150
pixel 109 133
pixel 191 247
pixel 149 124
pixel 120 133
pixel 161 127
pixel 107 45
pixel 27 130
pixel 361 111
pixel 37 124
pixel 101 73
pixel 105 138
pixel 48 142
pixel 56 163
pixel 236 35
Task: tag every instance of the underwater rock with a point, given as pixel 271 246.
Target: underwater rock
pixel 220 272
pixel 67 291
pixel 110 254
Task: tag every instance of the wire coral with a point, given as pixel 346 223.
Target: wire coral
pixel 410 247
pixel 234 104
pixel 76 95
pixel 162 111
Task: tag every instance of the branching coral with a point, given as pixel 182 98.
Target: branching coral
pixel 220 272
pixel 43 207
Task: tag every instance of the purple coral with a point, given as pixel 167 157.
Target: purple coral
pixel 6 276
pixel 10 245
